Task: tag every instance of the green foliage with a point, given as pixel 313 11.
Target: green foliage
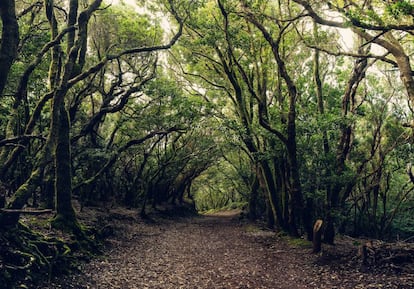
pixel 120 27
pixel 403 225
pixel 220 188
pixel 400 8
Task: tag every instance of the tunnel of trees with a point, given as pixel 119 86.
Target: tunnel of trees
pixel 291 110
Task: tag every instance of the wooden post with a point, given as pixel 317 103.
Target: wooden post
pixel 317 236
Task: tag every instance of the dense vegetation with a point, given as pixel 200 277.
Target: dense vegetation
pixel 291 110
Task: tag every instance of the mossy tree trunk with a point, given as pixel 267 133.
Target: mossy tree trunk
pixel 59 128
pixel 60 124
pixel 253 199
pixel 9 40
pixel 65 213
pixel 19 199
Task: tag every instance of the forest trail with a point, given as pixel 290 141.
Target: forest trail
pixel 210 252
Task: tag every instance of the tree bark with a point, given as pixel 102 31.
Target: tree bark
pixel 266 181
pixel 9 40
pixel 252 205
pixel 63 168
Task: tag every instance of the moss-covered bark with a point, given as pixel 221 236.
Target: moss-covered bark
pixel 9 39
pixel 20 198
pixel 63 176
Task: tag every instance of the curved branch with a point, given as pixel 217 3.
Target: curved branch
pixel 355 22
pixel 135 50
pixel 115 156
pixel 18 139
pixel 38 59
pixel 388 42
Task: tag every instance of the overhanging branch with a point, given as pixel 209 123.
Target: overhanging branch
pixel 129 144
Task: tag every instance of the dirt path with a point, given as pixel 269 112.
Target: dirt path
pixel 210 252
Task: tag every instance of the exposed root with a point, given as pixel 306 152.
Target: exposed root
pixel 27 257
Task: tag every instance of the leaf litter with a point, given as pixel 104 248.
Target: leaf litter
pixel 219 251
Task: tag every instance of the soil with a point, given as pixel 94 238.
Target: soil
pixel 219 251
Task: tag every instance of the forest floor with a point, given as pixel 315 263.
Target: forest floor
pixel 219 251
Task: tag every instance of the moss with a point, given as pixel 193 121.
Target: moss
pixel 298 242
pixel 36 222
pixel 251 228
pixel 31 257
pixel 67 223
pixel 20 198
pixel 210 211
pixel 63 168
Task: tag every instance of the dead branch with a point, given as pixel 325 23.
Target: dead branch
pixel 27 212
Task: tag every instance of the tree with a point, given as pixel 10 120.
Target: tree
pixel 9 40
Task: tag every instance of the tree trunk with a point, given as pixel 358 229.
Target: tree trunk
pixel 254 194
pixel 270 217
pixel 329 232
pixel 291 145
pixel 267 183
pixel 9 40
pixel 47 197
pixel 60 128
pixel 63 176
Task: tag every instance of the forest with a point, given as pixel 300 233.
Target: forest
pixel 291 111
